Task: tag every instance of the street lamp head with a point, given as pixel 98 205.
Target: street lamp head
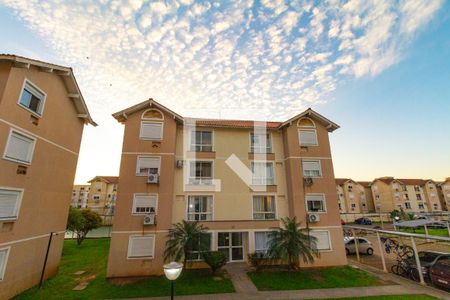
pixel 173 270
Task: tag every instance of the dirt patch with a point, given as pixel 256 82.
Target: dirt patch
pixel 119 281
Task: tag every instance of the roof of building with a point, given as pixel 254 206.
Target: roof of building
pixel 122 116
pixel 107 179
pixel 365 183
pixel 412 181
pixel 386 179
pixel 341 181
pixel 66 74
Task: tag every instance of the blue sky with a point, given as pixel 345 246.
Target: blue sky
pixel 380 69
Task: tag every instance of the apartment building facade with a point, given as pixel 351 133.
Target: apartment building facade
pixel 444 192
pixel 80 195
pixel 238 178
pixel 103 194
pixel 412 195
pixel 353 197
pixel 42 116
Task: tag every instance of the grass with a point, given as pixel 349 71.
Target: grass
pixel 431 231
pixel 91 256
pixel 390 297
pixel 317 278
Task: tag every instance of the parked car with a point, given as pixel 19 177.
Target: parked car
pixel 427 260
pixel 342 222
pixel 363 221
pixel 437 225
pixel 440 273
pixel 364 246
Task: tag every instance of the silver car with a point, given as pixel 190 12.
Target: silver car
pixel 364 246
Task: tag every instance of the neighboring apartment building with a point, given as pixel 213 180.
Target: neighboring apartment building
pixel 412 195
pixel 444 191
pixel 103 194
pixel 353 197
pixel 80 195
pixel 174 168
pixel 42 116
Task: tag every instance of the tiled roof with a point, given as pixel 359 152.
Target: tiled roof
pixel 386 180
pixel 340 181
pixel 365 183
pixel 234 123
pixel 413 181
pixel 108 179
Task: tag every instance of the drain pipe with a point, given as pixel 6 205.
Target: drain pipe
pixel 46 258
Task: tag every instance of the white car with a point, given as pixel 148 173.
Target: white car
pixel 364 246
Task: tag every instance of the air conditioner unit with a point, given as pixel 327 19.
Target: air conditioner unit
pixel 308 181
pixel 313 218
pixel 179 164
pixel 149 219
pixel 153 178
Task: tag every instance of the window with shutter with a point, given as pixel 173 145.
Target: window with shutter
pixel 307 137
pixel 145 203
pixel 3 259
pixel 151 130
pixel 315 202
pixel 9 203
pixel 311 168
pixel 142 246
pixel 19 147
pixel 323 239
pixel 147 165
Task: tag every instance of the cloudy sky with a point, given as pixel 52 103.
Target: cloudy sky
pixel 380 69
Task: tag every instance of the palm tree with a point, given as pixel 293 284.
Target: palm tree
pixel 290 242
pixel 183 238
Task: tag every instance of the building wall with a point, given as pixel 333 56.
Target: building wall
pixel 382 194
pixel 45 202
pixel 445 192
pixel 369 199
pixel 432 197
pixel 80 196
pixel 342 203
pixel 102 197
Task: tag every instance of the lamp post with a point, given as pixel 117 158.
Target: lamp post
pixel 172 271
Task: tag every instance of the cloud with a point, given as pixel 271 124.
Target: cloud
pixel 261 59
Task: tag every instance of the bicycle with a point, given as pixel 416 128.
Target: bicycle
pixel 405 269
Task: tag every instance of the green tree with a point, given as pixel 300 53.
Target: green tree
pixel 82 221
pixel 183 238
pixel 215 260
pixel 290 243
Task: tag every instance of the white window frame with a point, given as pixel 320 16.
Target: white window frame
pixel 200 213
pixel 3 270
pixel 133 207
pixel 148 138
pixel 18 203
pixel 265 212
pixel 31 151
pixel 33 86
pixel 211 236
pixel 191 136
pixel 329 240
pixel 141 236
pixel 323 203
pixel 152 119
pixel 316 143
pixel 138 173
pixel 265 179
pixel 200 181
pixel 262 251
pixel 312 160
pixel 268 149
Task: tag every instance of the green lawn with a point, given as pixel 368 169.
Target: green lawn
pixel 317 278
pixel 431 231
pixel 92 256
pixel 393 297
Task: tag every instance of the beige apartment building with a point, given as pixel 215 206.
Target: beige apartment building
pixel 42 116
pixel 412 195
pixel 354 197
pixel 444 191
pixel 80 195
pixel 238 178
pixel 103 194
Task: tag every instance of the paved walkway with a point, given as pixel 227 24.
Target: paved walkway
pixel 245 290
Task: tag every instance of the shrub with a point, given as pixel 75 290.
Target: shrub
pixel 215 260
pixel 257 260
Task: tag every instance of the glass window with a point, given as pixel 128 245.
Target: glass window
pixel 323 239
pixel 262 241
pixel 315 203
pixel 263 207
pixel 151 130
pixel 311 168
pixel 201 141
pixel 19 147
pixel 200 172
pixel 307 137
pixel 32 98
pixel 9 203
pixel 262 173
pixel 199 208
pixel 147 165
pixel 145 203
pixel 260 143
pixel 3 260
pixel 200 244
